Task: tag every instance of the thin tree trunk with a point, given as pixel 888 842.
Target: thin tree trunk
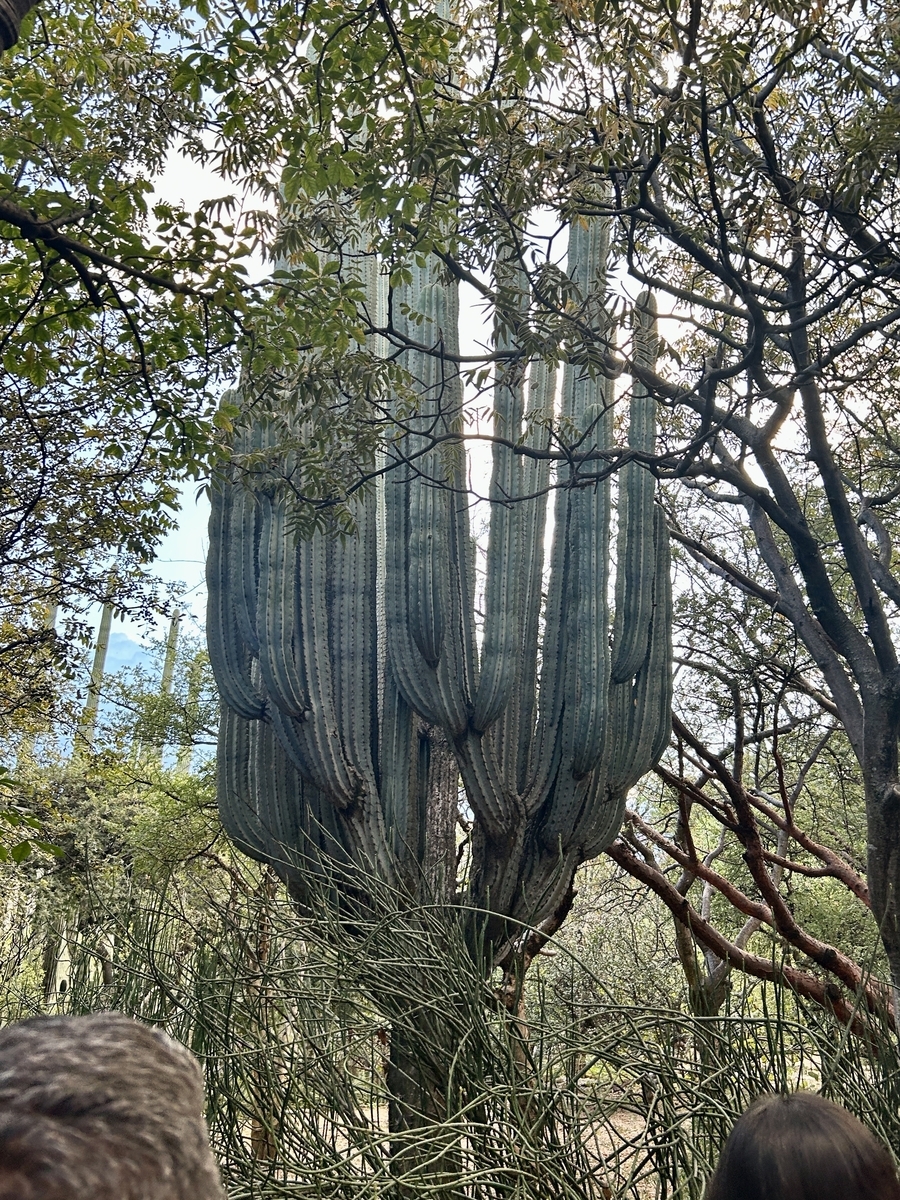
pixel 420 1050
pixel 425 1149
pixel 880 768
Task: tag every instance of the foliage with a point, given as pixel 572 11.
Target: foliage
pixel 16 822
pixel 143 720
pixel 602 1081
pixel 104 376
pixel 594 1097
pixel 123 316
pixel 766 744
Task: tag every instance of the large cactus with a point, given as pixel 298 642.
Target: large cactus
pixel 357 690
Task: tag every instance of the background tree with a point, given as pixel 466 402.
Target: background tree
pixel 783 263
pixel 109 349
pixel 766 804
pixel 122 316
pixel 151 911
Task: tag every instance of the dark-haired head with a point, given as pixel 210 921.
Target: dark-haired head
pixel 802 1147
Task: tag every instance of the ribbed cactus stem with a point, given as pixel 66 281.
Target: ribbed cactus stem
pixel 168 671
pixel 421 582
pixel 635 559
pixel 88 726
pixel 518 741
pixel 428 579
pixel 576 651
pixel 502 600
pixel 230 656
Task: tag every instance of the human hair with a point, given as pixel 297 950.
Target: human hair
pixel 101 1107
pixel 802 1147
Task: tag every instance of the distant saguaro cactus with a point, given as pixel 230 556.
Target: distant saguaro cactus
pixel 358 691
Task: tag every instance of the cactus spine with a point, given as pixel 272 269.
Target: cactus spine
pixel 351 670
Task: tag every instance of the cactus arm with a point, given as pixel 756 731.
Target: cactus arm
pixel 417 682
pixel 428 586
pixel 318 811
pixel 589 680
pixel 576 660
pixel 462 545
pixel 291 812
pixel 332 774
pixel 435 693
pixel 484 786
pixel 554 653
pixel 457 669
pixel 501 608
pixel 299 660
pixel 640 712
pixel 658 672
pixel 491 790
pixel 648 711
pixel 243 544
pixel 496 869
pixel 168 671
pixel 88 725
pixel 295 744
pixel 396 780
pixel 427 561
pixel 635 553
pixel 275 621
pixel 298 819
pixel 234 788
pixel 606 813
pixel 462 549
pixel 556 650
pixel 353 653
pixel 504 565
pixel 262 790
pixel 588 693
pixel 546 880
pixel 354 639
pixel 228 653
pixel 535 482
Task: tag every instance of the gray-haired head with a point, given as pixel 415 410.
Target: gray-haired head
pixel 101 1108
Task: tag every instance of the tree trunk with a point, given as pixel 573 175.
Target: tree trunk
pixel 706 989
pixel 438 777
pixel 880 768
pixel 417 1078
pixel 420 1046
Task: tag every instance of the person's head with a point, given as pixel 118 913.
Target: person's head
pixel 101 1108
pixel 802 1147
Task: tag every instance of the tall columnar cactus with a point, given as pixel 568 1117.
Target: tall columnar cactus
pixel 357 690
pixel 87 727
